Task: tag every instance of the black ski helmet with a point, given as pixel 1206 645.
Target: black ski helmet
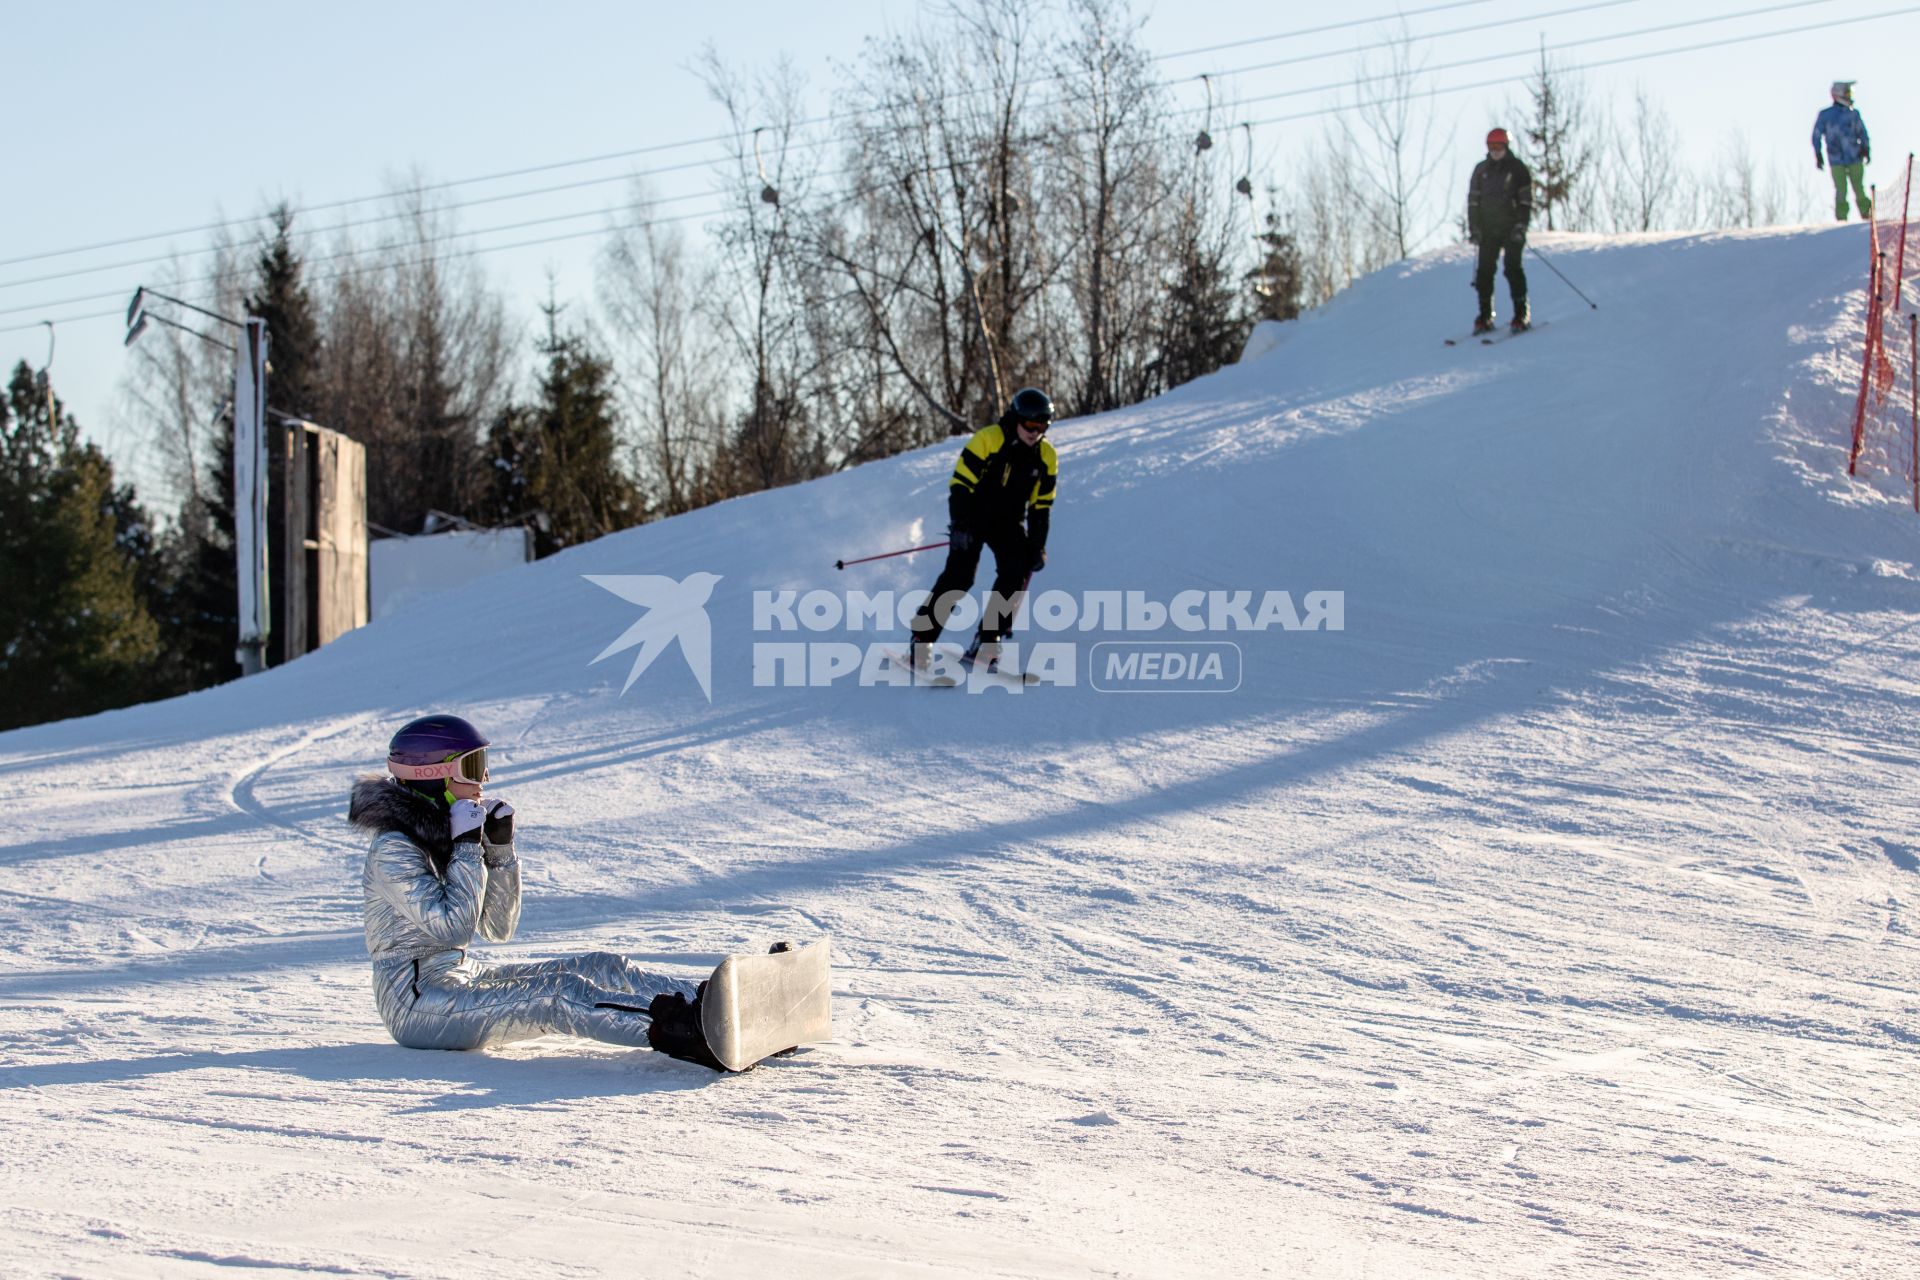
pixel 437 740
pixel 1029 404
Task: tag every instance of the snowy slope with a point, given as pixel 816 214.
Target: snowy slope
pixel 1554 917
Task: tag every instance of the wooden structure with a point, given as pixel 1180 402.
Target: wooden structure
pixel 322 589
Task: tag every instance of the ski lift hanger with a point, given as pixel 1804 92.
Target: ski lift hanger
pixel 769 194
pixel 1204 142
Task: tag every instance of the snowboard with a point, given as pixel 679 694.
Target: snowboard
pixel 755 1006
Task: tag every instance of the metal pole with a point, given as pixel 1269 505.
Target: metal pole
pixel 931 546
pixel 1900 258
pixel 1563 278
pixel 250 494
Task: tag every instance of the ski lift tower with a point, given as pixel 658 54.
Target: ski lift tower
pixel 249 460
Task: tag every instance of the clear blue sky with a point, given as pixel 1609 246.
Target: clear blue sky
pixel 130 119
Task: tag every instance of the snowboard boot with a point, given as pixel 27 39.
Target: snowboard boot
pixel 1482 323
pixel 675 1029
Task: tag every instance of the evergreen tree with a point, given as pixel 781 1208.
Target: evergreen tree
pixel 293 387
pixel 74 635
pixel 1559 144
pixel 1203 326
pixel 556 462
pixel 1280 278
pixel 202 620
pixel 280 298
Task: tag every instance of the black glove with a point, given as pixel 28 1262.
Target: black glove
pixel 1866 157
pixel 499 828
pixel 1518 236
pixel 961 538
pixel 1473 236
pixel 1819 162
pixel 779 948
pixel 1036 558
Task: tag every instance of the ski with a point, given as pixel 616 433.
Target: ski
pixel 1498 336
pixel 921 679
pixel 994 667
pixel 1005 673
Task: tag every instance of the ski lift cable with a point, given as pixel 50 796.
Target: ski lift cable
pixel 656 148
pixel 1279 119
pixel 767 189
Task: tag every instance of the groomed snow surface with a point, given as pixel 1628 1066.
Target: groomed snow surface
pixel 1556 917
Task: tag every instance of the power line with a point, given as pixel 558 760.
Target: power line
pixel 1314 31
pixel 1614 62
pixel 1624 58
pixel 309 236
pixel 655 148
pixel 337 227
pixel 1532 17
pixel 1587 40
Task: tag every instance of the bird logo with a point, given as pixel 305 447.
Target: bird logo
pixel 675 610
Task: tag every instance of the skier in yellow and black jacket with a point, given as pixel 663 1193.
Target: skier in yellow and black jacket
pixel 1001 496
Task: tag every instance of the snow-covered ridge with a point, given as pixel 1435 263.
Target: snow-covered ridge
pixel 1549 918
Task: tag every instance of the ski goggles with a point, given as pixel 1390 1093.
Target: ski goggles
pixel 468 766
pixel 1038 428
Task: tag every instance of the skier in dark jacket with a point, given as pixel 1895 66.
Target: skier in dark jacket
pixel 1499 206
pixel 1848 150
pixel 1001 496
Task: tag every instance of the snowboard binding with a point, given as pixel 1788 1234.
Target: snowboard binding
pixel 675 1029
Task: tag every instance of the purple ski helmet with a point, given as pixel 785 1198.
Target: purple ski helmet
pixel 436 748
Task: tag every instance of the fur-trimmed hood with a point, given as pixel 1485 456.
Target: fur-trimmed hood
pixel 378 804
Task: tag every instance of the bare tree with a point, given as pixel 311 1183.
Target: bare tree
pixel 1736 193
pixel 940 245
pixel 759 299
pixel 1648 180
pixel 1329 226
pixel 650 287
pixel 1115 197
pixel 1389 135
pixel 172 395
pixel 1733 186
pixel 419 361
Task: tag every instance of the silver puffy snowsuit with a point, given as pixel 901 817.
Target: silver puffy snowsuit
pixel 427 896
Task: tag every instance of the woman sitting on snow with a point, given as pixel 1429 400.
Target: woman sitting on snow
pixel 442 868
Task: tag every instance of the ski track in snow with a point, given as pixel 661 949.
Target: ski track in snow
pixel 1552 919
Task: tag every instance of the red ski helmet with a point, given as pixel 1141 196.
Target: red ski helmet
pixel 1498 138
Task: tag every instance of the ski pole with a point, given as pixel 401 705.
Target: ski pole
pixel 1563 278
pixel 888 555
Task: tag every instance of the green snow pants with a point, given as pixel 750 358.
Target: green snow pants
pixel 1857 172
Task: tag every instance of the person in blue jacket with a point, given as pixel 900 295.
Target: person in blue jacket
pixel 1848 150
